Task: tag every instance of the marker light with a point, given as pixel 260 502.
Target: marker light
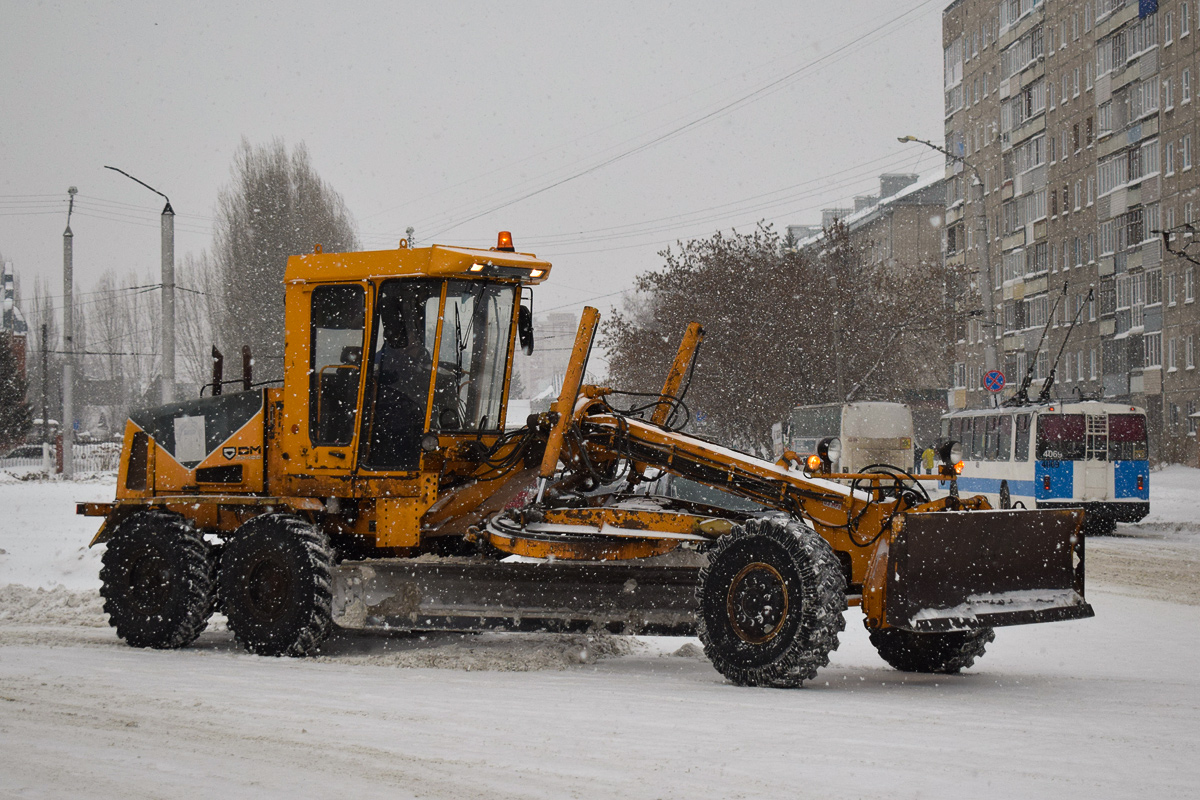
pixel 1046 483
pixel 536 273
pixel 477 267
pixel 504 242
pixel 958 468
pixel 814 463
pixel 1141 484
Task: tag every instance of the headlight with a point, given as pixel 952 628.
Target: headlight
pixel 950 453
pixel 830 451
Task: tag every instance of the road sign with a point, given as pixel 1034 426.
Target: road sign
pixel 993 381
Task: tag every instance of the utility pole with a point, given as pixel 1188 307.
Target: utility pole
pixel 168 290
pixel 986 282
pixel 45 407
pixel 68 390
pixel 168 304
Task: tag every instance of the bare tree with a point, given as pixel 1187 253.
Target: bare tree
pixel 277 206
pixel 781 326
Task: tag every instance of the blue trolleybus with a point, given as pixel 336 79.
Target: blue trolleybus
pixel 1053 455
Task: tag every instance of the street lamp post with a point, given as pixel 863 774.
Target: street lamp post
pixel 68 388
pixel 989 310
pixel 168 290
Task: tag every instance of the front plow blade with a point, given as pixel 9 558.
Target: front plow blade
pixel 962 570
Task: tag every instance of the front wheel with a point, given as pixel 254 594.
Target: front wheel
pixel 771 602
pixel 943 653
pixel 277 586
pixel 157 581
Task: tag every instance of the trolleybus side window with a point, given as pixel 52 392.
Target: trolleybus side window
pixel 1061 437
pixel 1005 438
pixel 1022 448
pixel 1126 437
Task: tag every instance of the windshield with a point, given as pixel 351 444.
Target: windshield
pixel 473 356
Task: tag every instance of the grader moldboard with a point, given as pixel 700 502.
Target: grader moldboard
pixel 380 488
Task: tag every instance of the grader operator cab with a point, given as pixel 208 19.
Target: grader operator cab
pixel 379 487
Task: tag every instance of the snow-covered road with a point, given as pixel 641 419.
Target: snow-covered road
pixel 1100 708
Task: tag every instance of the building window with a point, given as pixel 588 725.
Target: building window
pixel 1088 75
pixel 1171 355
pixel 1091 184
pixel 1189 352
pixel 1092 365
pixel 1188 213
pixel 1171 290
pixel 1169 158
pixel 1168 28
pixel 1189 284
pixel 1079 367
pixel 1078 193
pixel 1168 94
pixel 1185 148
pixel 1152 350
pixel 1154 287
pixel 1185 20
pixel 1185 86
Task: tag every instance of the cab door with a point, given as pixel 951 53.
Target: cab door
pixel 332 379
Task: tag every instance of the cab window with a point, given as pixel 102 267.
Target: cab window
pixel 335 362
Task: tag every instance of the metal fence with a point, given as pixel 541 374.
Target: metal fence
pixel 98 457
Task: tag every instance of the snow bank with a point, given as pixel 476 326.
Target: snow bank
pixel 21 605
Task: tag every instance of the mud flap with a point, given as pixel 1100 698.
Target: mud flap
pixel 963 570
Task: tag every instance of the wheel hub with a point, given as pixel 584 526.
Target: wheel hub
pixel 268 589
pixel 757 603
pixel 150 583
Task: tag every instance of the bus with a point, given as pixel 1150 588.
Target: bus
pixel 1088 454
pixel 870 433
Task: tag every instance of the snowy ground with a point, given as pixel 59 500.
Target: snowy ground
pixel 1107 707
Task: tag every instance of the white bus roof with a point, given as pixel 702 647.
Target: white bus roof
pixel 1072 407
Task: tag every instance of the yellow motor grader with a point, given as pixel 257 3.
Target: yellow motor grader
pixel 382 487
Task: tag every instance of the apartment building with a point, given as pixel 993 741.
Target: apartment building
pixel 1078 117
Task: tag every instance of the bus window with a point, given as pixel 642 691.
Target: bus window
pixel 1005 448
pixel 1126 437
pixel 977 434
pixel 1022 449
pixel 992 439
pixel 1061 437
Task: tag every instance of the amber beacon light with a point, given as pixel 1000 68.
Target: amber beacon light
pixel 504 242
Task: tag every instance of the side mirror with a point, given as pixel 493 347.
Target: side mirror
pixel 525 329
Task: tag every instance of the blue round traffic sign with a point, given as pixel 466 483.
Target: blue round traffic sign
pixel 993 381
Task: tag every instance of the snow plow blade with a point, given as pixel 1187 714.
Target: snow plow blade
pixel 561 597
pixel 957 570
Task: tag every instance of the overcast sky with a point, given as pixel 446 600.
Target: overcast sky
pixel 597 133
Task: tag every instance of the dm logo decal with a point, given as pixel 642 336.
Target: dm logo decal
pixel 229 452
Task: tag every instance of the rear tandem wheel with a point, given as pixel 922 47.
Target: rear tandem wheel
pixel 276 585
pixel 771 602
